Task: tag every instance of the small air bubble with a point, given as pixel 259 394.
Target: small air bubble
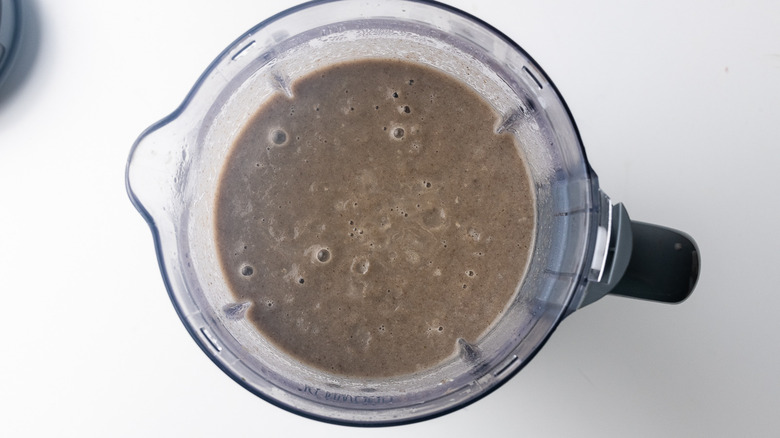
pixel 247 271
pixel 323 255
pixel 376 107
pixel 395 95
pixel 428 184
pixel 360 266
pixel 411 81
pixel 407 110
pixel 398 132
pixel 278 137
pixel 470 273
pixel 301 281
pixel 441 328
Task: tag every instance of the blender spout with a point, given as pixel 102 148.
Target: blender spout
pixel 646 261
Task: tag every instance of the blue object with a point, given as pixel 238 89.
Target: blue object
pixel 10 19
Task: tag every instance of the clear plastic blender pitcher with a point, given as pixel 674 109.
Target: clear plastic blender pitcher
pixel 585 246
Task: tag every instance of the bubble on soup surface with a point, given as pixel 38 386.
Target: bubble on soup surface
pixel 278 137
pixel 323 255
pixel 360 265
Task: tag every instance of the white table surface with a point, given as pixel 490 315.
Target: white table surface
pixel 678 103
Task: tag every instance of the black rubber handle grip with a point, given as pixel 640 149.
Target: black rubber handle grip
pixel 664 265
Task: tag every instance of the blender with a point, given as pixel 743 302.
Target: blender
pixel 585 246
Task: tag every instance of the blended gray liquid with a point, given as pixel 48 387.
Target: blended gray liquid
pixel 375 218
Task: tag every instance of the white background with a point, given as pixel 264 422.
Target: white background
pixel 678 103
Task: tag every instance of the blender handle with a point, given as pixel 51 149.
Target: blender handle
pixel 646 261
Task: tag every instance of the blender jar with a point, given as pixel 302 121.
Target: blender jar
pixel 584 247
